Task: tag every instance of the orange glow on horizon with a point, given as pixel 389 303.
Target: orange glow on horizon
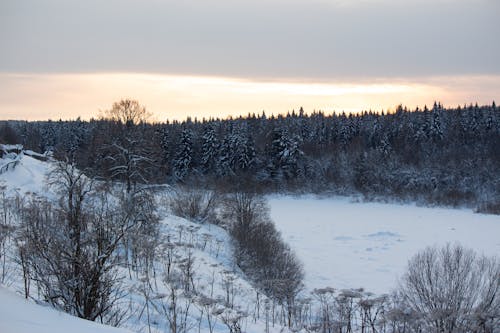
pixel 68 96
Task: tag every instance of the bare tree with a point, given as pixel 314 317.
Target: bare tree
pixel 128 112
pixel 127 149
pixel 453 289
pixel 141 241
pixel 7 230
pixel 346 308
pixel 71 247
pixel 128 162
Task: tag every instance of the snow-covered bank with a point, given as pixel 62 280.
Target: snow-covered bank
pixel 18 315
pixel 346 244
pixel 27 175
pixel 192 261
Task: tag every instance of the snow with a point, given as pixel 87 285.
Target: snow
pixel 211 249
pixel 210 246
pixel 28 175
pixel 18 315
pixel 345 244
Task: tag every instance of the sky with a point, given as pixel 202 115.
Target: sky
pixel 214 58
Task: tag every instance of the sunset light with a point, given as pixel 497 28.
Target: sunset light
pixel 68 96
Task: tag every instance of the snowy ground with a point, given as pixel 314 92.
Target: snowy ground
pixel 345 244
pixel 29 175
pixel 18 315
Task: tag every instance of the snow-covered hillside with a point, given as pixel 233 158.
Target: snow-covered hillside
pixel 23 173
pixel 223 295
pixel 18 315
pixel 346 244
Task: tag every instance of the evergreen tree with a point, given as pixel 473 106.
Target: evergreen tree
pixel 183 161
pixel 209 149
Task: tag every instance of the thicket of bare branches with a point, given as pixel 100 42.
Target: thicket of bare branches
pixel 70 248
pixel 194 204
pixel 261 252
pixel 453 289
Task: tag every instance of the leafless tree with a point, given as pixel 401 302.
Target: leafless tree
pixel 71 247
pixel 128 162
pixel 453 289
pixel 128 112
pixel 325 297
pixel 7 230
pixel 142 240
pixel 346 308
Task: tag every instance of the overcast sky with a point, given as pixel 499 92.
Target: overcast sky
pixel 339 41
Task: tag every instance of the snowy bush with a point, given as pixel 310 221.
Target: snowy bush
pixel 452 289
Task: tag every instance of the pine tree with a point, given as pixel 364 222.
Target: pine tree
pixel 209 150
pixel 183 161
pixel 285 154
pixel 225 163
pixel 246 152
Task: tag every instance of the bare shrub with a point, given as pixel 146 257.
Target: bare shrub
pixel 260 251
pixel 194 205
pixel 452 289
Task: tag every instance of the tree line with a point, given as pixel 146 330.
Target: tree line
pixel 447 156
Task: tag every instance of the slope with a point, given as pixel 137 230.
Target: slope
pixel 18 315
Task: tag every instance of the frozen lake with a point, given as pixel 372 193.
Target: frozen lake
pixel 346 244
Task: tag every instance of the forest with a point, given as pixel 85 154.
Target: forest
pixel 437 156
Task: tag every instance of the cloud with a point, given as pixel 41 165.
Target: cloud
pixel 297 39
pixel 55 96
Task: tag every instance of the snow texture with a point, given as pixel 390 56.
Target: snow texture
pixel 18 315
pixel 28 175
pixel 345 244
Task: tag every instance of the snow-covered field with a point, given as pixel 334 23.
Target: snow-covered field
pixel 346 244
